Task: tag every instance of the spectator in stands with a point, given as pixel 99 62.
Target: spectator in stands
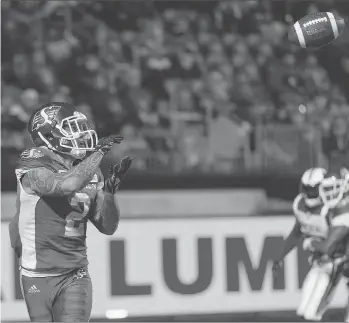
pixel 186 65
pixel 133 138
pixel 163 112
pixel 134 145
pixel 62 95
pixel 227 140
pixel 152 67
pixel 336 144
pixel 30 101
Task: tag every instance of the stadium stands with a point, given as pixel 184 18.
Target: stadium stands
pixel 178 81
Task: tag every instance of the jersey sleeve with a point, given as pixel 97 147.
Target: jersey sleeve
pixel 32 158
pixel 340 216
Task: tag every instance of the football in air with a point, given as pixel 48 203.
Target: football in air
pixel 316 30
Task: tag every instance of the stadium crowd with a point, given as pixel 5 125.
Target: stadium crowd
pixel 177 78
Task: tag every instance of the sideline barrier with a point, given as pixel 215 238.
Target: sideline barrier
pixel 206 202
pixel 181 267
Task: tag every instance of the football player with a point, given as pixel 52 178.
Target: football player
pixel 321 213
pixel 334 250
pixel 60 188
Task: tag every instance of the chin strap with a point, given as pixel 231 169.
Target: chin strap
pixel 313 202
pixel 340 191
pixel 46 141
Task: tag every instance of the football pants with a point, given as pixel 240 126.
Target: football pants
pixel 65 298
pixel 318 289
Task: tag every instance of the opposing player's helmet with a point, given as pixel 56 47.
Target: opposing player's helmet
pixel 310 184
pixel 334 188
pixel 61 128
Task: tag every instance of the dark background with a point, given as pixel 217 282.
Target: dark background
pixel 208 94
pixel 196 87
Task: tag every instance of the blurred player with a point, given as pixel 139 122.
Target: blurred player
pixel 333 251
pixel 321 211
pixel 59 188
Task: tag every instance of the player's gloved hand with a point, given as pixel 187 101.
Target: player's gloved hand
pixel 277 265
pixel 106 143
pixel 116 174
pixel 315 257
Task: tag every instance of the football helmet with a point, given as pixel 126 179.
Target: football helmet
pixel 310 184
pixel 334 188
pixel 61 128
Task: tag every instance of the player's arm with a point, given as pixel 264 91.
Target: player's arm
pixel 106 214
pixel 294 236
pixel 43 181
pixel 338 232
pixel 329 246
pixel 15 237
pixel 291 241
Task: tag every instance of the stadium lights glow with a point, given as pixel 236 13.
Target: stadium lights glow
pixel 116 314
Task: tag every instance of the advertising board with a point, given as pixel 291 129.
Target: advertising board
pixel 181 266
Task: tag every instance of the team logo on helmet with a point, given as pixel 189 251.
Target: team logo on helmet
pixel 43 116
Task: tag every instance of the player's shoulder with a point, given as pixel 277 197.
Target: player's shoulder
pixel 35 157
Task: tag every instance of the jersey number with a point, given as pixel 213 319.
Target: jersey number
pixel 75 223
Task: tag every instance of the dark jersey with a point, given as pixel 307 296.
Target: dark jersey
pixel 52 229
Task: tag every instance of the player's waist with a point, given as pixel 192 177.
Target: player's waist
pixel 44 273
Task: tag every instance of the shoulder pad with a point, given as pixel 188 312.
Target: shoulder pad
pixel 32 153
pixel 296 203
pixel 34 158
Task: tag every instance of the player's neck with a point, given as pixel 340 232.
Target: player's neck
pixel 67 160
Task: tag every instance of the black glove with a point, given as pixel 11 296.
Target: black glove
pixel 116 174
pixel 106 143
pixel 277 265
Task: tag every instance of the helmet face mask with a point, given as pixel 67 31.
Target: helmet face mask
pixel 333 189
pixel 77 133
pixel 60 128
